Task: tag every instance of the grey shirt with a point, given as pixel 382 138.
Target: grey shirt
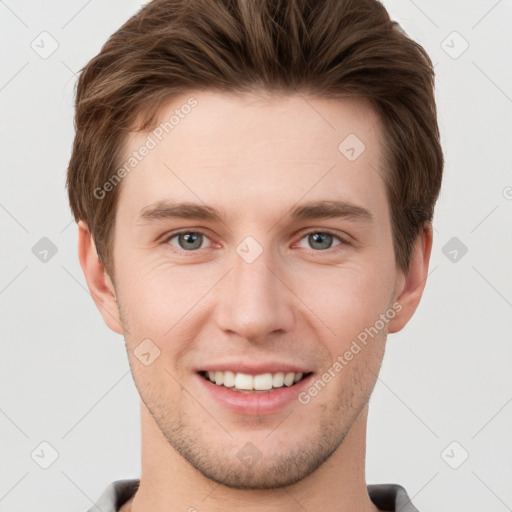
pixel 391 497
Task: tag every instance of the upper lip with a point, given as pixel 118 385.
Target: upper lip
pixel 252 368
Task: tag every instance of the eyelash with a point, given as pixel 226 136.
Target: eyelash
pixel 330 250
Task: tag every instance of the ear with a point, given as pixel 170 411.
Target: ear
pixel 98 281
pixel 411 285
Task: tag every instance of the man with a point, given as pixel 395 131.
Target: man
pixel 254 183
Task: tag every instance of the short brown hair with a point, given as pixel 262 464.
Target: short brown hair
pixel 328 48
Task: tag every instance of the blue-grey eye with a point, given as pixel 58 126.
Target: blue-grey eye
pixel 188 240
pixel 321 240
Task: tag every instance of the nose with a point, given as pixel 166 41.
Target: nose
pixel 254 300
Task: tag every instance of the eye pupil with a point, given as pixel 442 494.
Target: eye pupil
pixel 191 240
pixel 321 239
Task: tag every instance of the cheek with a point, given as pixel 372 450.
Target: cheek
pixel 163 305
pixel 347 298
pixel 159 295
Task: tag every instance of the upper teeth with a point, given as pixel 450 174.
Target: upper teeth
pixel 261 382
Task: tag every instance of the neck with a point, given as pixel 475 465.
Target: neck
pixel 169 483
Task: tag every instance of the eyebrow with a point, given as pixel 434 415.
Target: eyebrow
pixel 165 209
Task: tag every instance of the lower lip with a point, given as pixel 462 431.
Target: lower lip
pixel 254 404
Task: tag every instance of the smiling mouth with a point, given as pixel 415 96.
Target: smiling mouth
pixel 245 383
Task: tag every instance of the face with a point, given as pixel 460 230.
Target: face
pixel 254 282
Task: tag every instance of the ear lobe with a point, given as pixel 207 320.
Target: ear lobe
pixel 410 293
pixel 99 283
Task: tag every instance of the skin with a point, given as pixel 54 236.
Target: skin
pixel 253 158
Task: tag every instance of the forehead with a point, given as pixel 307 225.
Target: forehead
pixel 256 152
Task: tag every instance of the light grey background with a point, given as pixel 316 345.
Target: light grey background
pixel 446 377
